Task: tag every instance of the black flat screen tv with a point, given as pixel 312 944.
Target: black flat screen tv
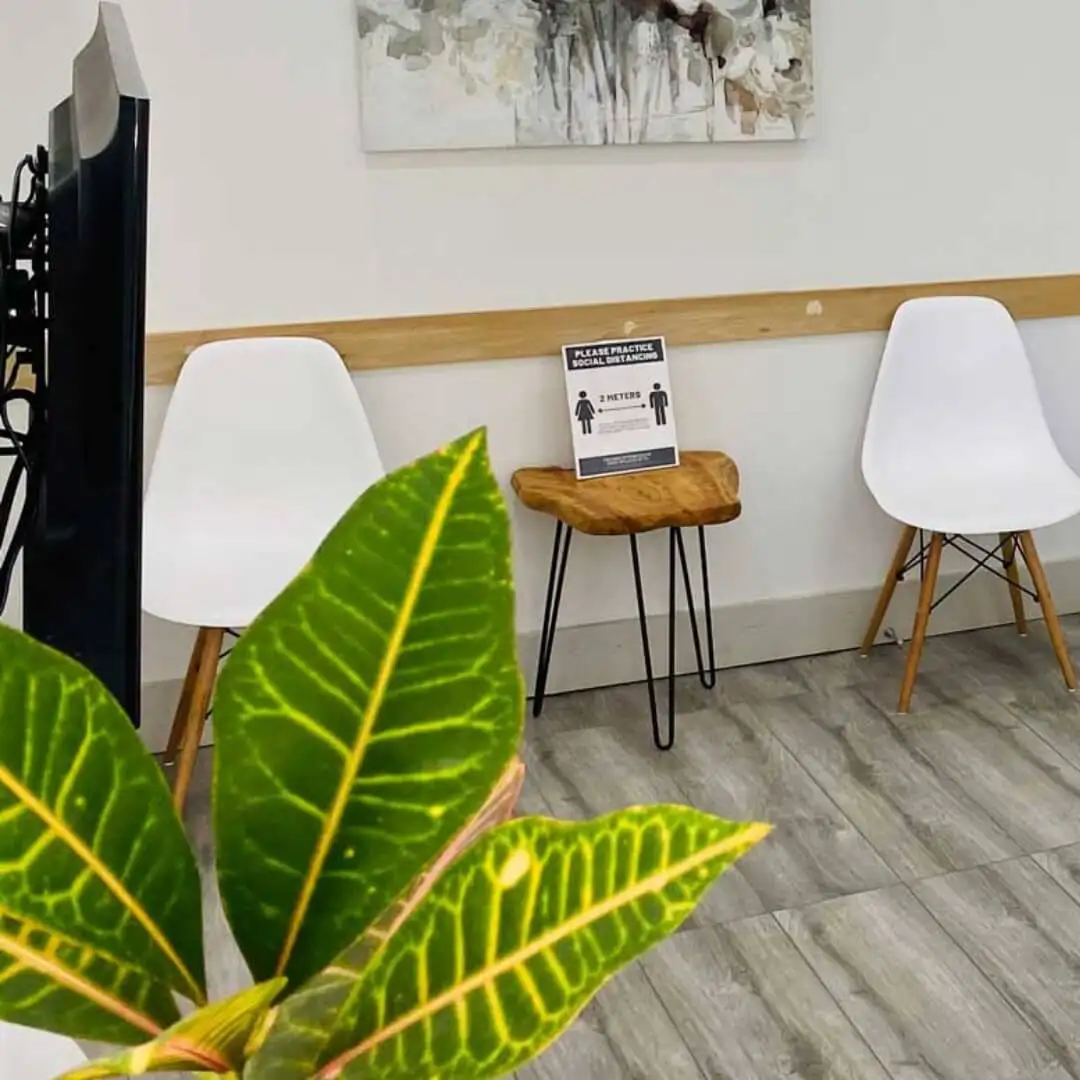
pixel 82 566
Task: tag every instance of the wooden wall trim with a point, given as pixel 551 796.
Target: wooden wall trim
pixel 408 341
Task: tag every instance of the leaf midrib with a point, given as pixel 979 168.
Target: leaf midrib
pixel 355 760
pixel 750 836
pixel 182 1050
pixel 72 980
pixel 61 830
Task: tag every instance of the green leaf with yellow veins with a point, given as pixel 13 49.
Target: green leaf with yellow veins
pixel 51 983
pixel 366 715
pixel 91 849
pixel 506 949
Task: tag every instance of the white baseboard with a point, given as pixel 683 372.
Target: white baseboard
pixel 609 654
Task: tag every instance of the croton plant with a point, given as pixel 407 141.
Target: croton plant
pixel 395 924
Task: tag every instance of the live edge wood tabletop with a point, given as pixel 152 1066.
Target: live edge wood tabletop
pixel 702 490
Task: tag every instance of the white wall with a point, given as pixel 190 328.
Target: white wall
pixel 946 148
pixel 34 1055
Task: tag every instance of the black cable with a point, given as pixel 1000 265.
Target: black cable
pixel 9 430
pixel 22 467
pixel 7 503
pixel 18 542
pixel 19 469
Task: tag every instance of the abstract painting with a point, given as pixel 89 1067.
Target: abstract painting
pixel 439 74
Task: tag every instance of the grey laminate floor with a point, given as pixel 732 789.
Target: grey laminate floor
pixel 916 913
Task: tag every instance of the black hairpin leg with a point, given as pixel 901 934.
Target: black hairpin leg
pixel 669 742
pixel 665 740
pixel 707 675
pixel 560 551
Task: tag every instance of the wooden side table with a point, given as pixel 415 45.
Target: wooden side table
pixel 703 490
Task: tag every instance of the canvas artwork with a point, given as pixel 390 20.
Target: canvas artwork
pixel 470 73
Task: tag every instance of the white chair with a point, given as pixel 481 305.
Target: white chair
pixel 957 446
pixel 264 447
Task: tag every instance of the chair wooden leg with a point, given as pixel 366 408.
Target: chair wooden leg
pixel 922 621
pixel 183 706
pixel 195 720
pixel 1046 601
pixel 1012 571
pixel 907 537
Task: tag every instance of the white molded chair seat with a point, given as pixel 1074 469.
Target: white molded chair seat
pixel 265 446
pixel 991 496
pixel 227 580
pixel 956 440
pixel 957 445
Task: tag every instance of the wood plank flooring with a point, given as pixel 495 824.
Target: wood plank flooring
pixel 914 916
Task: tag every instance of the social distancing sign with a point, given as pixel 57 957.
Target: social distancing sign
pixel 619 394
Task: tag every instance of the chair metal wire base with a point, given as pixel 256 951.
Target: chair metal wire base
pixel 1003 555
